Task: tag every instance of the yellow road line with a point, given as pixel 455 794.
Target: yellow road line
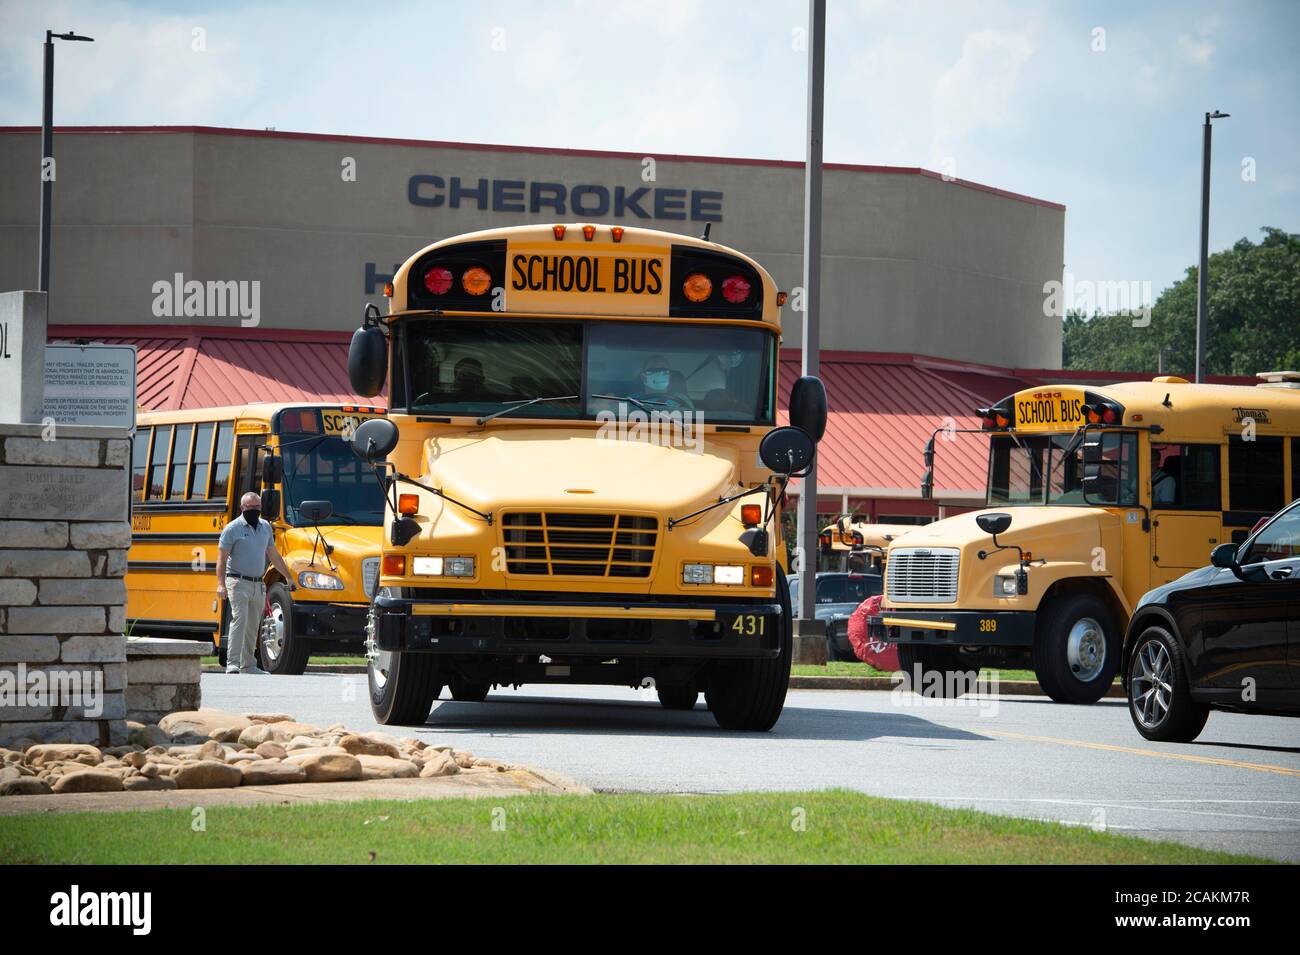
pixel 1187 757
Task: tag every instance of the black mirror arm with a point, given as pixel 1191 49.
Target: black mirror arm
pixel 761 489
pixel 438 492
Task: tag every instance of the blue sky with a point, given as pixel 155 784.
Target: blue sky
pixel 1025 96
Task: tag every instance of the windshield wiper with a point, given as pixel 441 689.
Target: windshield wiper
pixel 641 403
pixel 516 405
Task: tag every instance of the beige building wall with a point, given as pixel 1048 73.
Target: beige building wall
pixel 911 263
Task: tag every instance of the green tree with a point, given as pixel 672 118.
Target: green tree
pixel 1254 318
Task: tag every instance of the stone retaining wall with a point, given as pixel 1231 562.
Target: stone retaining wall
pixel 64 533
pixel 162 676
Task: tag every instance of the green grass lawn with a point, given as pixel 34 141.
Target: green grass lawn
pixel 838 826
pixel 841 668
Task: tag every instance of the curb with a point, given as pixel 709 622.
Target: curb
pixel 876 683
pixel 1008 687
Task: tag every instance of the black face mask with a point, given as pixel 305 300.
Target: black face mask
pixel 251 515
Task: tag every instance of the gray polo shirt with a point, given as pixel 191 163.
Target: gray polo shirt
pixel 247 546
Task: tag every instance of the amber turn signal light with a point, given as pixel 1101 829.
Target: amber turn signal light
pixel 589 232
pixel 617 233
pixel 760 575
pixel 476 280
pixel 408 504
pixel 697 287
pixel 394 565
pixel 751 515
pixel 559 232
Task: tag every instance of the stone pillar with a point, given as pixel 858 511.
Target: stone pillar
pixel 162 676
pixel 64 533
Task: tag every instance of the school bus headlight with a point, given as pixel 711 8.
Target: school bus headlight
pixel 728 574
pixel 697 574
pixel 315 580
pixel 458 567
pixel 427 566
pixel 1011 585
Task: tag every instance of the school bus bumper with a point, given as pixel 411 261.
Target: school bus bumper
pixel 579 627
pixel 995 628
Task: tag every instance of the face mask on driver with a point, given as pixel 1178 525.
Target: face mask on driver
pixel 656 380
pixel 251 515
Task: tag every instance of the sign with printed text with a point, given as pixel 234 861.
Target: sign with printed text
pixel 343 423
pixel 591 279
pixel 1050 409
pixel 90 384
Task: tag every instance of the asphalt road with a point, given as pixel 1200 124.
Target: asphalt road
pixel 1236 789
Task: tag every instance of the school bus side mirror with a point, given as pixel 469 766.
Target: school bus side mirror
pixel 374 440
pixel 313 512
pixel 993 524
pixel 789 451
pixel 368 361
pixel 272 470
pixel 808 407
pixel 271 505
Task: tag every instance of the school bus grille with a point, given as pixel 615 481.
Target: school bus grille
pixel 369 575
pixel 567 544
pixel 925 574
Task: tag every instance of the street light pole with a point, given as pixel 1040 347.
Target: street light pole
pixel 1202 308
pixel 808 643
pixel 47 153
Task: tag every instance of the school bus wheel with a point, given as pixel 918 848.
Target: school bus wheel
pixel 677 697
pixel 750 694
pixel 281 650
pixel 403 686
pixel 1076 648
pixel 468 691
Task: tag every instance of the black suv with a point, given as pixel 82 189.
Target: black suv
pixel 1226 636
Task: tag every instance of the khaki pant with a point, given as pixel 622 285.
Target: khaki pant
pixel 247 603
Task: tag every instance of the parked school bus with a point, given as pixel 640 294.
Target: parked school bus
pixel 583 476
pixel 189 470
pixel 1095 496
pixel 855 546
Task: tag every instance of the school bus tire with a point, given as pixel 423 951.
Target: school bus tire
pixel 468 691
pixel 403 686
pixel 749 695
pixel 294 651
pixel 1076 633
pixel 677 697
pixel 917 662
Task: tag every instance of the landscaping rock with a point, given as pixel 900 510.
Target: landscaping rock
pixel 327 766
pixel 269 717
pixel 266 772
pixel 137 784
pixel 440 764
pixel 270 750
pixel 207 774
pixel 387 767
pixel 212 750
pixel 260 733
pixel 202 722
pixel 25 786
pixel 303 742
pixel 88 781
pixel 146 734
pixel 359 745
pixel 47 754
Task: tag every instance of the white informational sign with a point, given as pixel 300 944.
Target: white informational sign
pixel 90 384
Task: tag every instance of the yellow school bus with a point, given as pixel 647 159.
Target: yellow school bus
pixel 855 546
pixel 189 470
pixel 582 472
pixel 1095 496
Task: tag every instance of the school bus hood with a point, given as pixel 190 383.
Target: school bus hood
pixel 545 467
pixel 1046 531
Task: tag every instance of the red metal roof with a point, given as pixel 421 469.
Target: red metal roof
pixel 883 406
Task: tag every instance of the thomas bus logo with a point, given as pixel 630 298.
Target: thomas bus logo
pixel 1257 415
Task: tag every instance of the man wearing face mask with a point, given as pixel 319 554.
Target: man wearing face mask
pixel 247 543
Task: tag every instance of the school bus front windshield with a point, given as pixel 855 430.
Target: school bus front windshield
pixel 577 369
pixel 321 467
pixel 1049 469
